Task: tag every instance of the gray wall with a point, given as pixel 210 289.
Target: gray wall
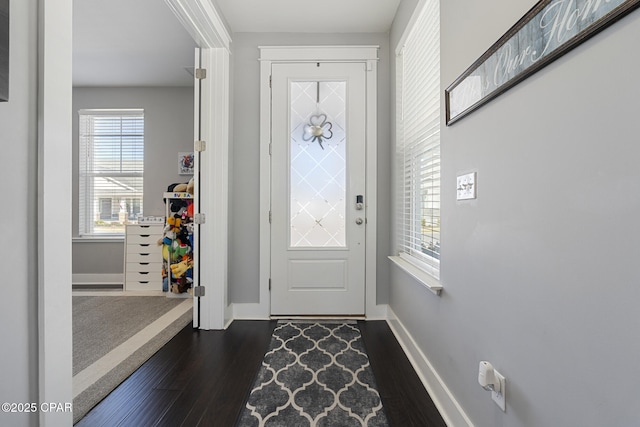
pixel 540 273
pixel 18 136
pixel 168 115
pixel 244 201
pixel 542 283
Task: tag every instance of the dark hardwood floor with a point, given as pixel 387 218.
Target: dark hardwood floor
pixel 404 398
pixel 202 378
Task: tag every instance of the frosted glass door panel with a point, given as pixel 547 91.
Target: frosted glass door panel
pixel 318 164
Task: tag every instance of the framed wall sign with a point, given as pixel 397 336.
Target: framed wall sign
pixel 4 50
pixel 549 30
pixel 185 163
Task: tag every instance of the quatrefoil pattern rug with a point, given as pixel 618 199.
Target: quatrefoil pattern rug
pixel 314 374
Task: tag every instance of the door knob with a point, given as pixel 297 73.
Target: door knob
pixel 359 221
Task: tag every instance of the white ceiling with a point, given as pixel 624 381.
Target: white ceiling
pixel 309 16
pixel 141 43
pixel 129 43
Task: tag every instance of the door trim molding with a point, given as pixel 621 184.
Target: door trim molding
pixel 272 54
pixel 279 54
pixel 205 25
pixel 51 336
pixel 202 21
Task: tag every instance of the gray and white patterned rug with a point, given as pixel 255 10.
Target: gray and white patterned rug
pixel 314 374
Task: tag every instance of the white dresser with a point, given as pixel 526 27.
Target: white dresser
pixel 143 258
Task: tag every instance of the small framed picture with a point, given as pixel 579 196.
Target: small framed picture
pixel 185 163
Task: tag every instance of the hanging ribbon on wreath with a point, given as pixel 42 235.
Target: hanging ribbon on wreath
pixel 318 128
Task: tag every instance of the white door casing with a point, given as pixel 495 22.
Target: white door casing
pixel 318 230
pixel 270 55
pixel 197 133
pixel 202 21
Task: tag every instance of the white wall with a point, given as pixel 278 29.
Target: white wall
pixel 18 136
pixel 245 179
pixel 540 273
pixel 168 130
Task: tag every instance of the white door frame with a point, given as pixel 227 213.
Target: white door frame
pixel 274 54
pixel 310 278
pixel 54 374
pixel 204 24
pixel 54 176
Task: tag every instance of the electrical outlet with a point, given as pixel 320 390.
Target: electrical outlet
pixel 466 187
pixel 500 398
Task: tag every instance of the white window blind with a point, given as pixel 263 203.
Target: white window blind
pixel 418 140
pixel 111 167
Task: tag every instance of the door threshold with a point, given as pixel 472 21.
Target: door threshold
pixel 318 317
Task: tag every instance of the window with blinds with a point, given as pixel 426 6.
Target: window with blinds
pixel 111 166
pixel 418 140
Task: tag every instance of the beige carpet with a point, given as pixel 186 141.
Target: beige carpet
pixel 107 325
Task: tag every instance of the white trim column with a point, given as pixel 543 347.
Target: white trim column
pixel 374 311
pixel 54 209
pixel 214 308
pixel 205 25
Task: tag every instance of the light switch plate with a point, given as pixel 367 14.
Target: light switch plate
pixel 466 186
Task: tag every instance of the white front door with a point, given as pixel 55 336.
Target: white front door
pixel 317 189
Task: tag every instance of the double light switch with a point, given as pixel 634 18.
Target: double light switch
pixel 466 186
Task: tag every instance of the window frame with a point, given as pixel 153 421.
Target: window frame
pixel 412 145
pixel 87 197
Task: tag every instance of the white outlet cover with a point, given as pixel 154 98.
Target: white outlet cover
pixel 466 186
pixel 500 398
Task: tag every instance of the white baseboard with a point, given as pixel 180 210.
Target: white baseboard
pixel 445 401
pixel 253 311
pixel 377 312
pixel 249 311
pixel 97 279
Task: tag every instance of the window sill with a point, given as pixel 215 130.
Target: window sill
pixel 420 275
pixel 113 239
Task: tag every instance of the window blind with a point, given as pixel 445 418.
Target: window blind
pixel 418 139
pixel 111 157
